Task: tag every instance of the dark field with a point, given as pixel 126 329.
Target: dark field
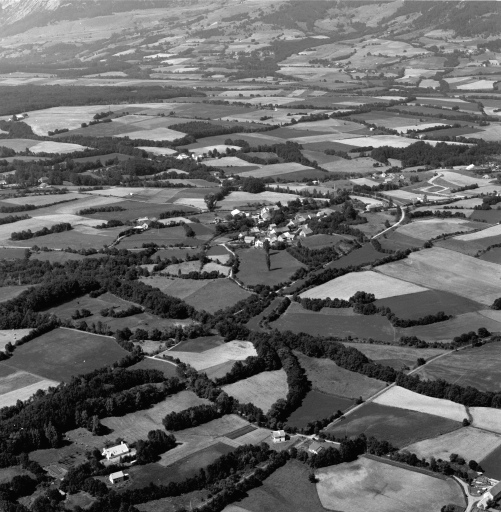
pixel 174 253
pixel 316 406
pixel 309 174
pixel 217 294
pixel 57 256
pixel 430 302
pixel 477 367
pixel 166 236
pixel 62 353
pixel 168 369
pixel 399 242
pixel 12 254
pixel 332 322
pixel 321 241
pixel 492 255
pixel 286 490
pixel 362 256
pixel 253 267
pixel 492 464
pixel 198 345
pixel 398 426
pixel 490 216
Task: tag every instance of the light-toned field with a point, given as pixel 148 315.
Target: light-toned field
pixel 346 286
pixel 326 376
pixel 25 392
pixel 85 202
pixel 262 390
pixel 486 418
pixel 441 269
pixel 43 200
pixel 33 224
pixel 430 228
pixel 377 141
pixel 485 233
pixel 153 134
pixel 56 147
pixel 180 288
pixel 462 180
pixel 19 144
pixel 402 398
pixel 158 151
pixel 11 335
pixel 231 351
pixel 275 170
pixel 468 442
pixel 366 484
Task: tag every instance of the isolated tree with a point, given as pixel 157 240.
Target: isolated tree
pixel 210 201
pixel 266 247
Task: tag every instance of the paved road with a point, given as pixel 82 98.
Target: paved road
pixel 470 500
pixel 391 227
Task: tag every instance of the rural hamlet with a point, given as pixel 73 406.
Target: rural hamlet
pixel 250 255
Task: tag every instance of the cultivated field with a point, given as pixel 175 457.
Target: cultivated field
pixel 231 351
pixel 43 200
pixel 10 292
pixel 286 490
pixel 478 367
pixel 326 376
pixel 367 484
pixel 20 386
pixel 275 170
pixel 77 353
pixel 405 399
pixel 449 271
pixel 166 367
pixel 486 233
pixel 470 443
pixel 237 199
pixel 262 390
pixel 346 286
pixel 400 427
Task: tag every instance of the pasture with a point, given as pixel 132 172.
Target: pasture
pixel 341 323
pixel 262 390
pixel 445 270
pixel 43 199
pixel 364 255
pixel 155 134
pixel 368 484
pixel 77 353
pixel 346 286
pixel 486 418
pixel 468 442
pixel 317 405
pixel 402 398
pixel 238 199
pixel 326 376
pixel 232 351
pixel 400 427
pixel 285 490
pixel 395 356
pixel 57 256
pixel 267 171
pixel 10 292
pixel 253 270
pixel 477 367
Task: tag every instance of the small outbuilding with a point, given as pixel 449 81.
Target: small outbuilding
pixel 117 477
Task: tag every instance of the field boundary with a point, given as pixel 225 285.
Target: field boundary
pixel 404 466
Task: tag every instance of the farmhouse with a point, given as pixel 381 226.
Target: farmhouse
pixel 116 451
pixel 315 448
pixel 119 476
pixel 492 494
pixel 278 436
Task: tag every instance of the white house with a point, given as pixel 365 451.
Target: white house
pixel 235 212
pixel 119 476
pixel 116 451
pixel 305 231
pixel 249 240
pixel 278 436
